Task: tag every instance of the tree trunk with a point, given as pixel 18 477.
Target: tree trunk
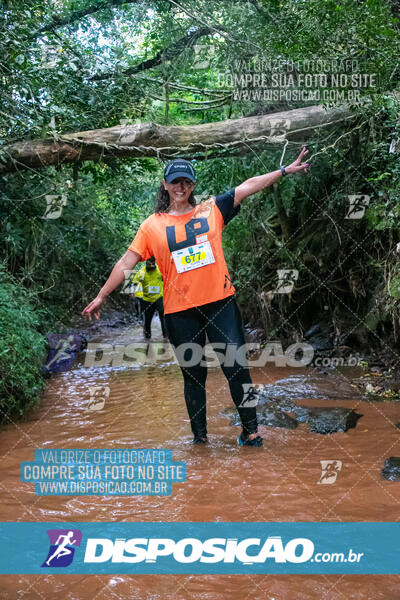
pixel 188 141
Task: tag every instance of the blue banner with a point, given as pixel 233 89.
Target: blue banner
pixel 200 548
pixel 110 472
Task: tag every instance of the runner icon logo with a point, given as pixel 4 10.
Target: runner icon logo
pixel 329 471
pixel 286 280
pixel 54 206
pixel 250 396
pixel 61 551
pixel 98 396
pixel 358 204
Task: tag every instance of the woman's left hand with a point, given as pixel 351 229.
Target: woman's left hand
pixel 297 166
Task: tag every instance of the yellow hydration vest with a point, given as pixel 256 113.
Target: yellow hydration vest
pixel 148 284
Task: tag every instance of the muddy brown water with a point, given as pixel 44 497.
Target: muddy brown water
pixel 146 409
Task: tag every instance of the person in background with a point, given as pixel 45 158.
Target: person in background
pixel 136 293
pixel 149 286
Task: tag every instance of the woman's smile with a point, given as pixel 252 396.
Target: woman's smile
pixel 179 192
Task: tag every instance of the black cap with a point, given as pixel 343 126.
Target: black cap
pixel 179 168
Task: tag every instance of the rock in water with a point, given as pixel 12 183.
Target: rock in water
pixel 63 348
pixel 312 385
pixel 271 417
pixel 391 469
pixel 327 419
pixel 321 419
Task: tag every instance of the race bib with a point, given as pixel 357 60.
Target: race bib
pixel 193 257
pixel 153 289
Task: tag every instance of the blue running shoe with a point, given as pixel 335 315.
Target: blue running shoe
pixel 242 441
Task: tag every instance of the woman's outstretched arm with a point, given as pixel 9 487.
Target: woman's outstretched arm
pixel 126 263
pixel 256 184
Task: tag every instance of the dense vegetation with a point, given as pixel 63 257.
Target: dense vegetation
pixel 22 349
pixel 70 65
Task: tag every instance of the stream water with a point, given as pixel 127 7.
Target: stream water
pixel 279 482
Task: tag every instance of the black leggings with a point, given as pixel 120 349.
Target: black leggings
pixel 222 322
pixel 148 310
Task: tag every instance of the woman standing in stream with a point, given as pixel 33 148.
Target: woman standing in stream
pixel 186 241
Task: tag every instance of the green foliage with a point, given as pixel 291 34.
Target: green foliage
pixel 66 259
pixel 22 350
pixel 394 288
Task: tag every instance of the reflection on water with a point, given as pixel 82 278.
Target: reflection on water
pixel 279 482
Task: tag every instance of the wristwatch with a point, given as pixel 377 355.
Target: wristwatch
pixel 283 171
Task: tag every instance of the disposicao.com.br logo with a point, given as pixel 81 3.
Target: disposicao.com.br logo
pixel 247 551
pixel 61 551
pixel 200 547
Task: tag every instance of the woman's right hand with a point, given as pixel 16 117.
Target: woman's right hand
pixel 93 307
pixel 129 260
